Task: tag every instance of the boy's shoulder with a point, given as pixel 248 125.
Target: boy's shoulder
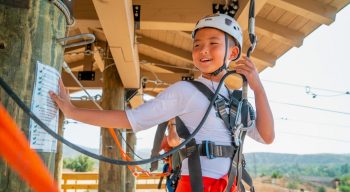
pixel 183 85
pixel 180 88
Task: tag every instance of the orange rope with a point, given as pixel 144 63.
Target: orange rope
pixel 26 162
pixel 135 170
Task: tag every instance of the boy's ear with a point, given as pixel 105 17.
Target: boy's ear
pixel 234 51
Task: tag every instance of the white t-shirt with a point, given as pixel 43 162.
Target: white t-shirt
pixel 184 100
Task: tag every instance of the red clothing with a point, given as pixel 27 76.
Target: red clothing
pixel 210 184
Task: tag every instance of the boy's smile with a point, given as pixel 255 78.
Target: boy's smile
pixel 208 49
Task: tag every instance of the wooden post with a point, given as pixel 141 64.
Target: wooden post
pixel 27 35
pixel 59 152
pixel 111 177
pixel 130 185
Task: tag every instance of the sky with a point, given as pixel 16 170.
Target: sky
pixel 307 94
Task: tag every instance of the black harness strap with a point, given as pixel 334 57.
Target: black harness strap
pixel 192 153
pixel 236 169
pixel 157 143
pixel 203 88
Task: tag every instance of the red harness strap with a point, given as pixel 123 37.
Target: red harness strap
pixel 26 162
pixel 210 184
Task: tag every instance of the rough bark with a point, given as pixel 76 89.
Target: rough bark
pixel 59 152
pixel 111 177
pixel 26 36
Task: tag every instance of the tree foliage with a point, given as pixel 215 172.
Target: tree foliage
pixel 345 184
pixel 81 163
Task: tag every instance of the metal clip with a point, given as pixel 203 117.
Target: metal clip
pixel 209 149
pixel 237 134
pixel 89 36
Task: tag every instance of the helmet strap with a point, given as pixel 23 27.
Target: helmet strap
pixel 223 66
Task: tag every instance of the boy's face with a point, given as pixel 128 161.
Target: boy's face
pixel 209 49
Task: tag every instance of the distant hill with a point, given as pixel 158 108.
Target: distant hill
pixel 320 165
pixel 281 158
pixel 68 152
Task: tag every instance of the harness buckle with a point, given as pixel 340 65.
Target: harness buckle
pixel 220 106
pixel 208 149
pixel 237 134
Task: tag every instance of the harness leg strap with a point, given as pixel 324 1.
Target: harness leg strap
pixel 194 167
pixel 232 175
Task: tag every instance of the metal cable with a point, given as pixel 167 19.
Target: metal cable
pixel 21 104
pixel 69 71
pixel 61 6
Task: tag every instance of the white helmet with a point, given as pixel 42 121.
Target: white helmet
pixel 224 23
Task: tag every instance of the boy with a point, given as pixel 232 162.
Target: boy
pixel 217 40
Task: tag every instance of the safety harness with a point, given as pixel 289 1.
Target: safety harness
pixel 230 111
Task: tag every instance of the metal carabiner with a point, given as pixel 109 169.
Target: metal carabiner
pixel 237 134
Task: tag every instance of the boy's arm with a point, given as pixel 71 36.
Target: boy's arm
pixel 104 118
pixel 264 119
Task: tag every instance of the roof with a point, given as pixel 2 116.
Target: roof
pixel 151 40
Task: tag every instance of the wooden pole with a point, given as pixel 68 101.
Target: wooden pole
pixel 59 152
pixel 111 177
pixel 27 35
pixel 130 184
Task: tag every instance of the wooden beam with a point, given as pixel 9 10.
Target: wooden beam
pixel 166 66
pixel 137 100
pixel 311 9
pixel 243 12
pixel 261 57
pixel 99 34
pixel 179 15
pixel 98 59
pixel 85 24
pixel 76 64
pixel 278 32
pixel 166 49
pixel 116 18
pixel 69 82
pixel 167 78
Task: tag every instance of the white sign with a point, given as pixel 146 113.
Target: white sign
pixel 46 79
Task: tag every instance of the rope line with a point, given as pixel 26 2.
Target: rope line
pixel 26 110
pixel 26 162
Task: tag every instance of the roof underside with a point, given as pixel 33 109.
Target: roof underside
pixel 159 50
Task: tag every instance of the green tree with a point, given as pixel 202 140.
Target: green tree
pixel 321 189
pixel 81 163
pixel 276 175
pixel 345 184
pixel 344 188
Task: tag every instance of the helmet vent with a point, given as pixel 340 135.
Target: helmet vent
pixel 228 21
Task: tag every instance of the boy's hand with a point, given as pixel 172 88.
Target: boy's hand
pixel 247 68
pixel 62 100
